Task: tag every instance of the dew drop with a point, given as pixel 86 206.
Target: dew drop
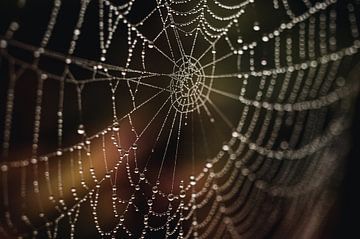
pixel 81 129
pixel 115 126
pixel 170 197
pixel 182 194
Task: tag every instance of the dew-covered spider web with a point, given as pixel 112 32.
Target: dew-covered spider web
pixel 173 118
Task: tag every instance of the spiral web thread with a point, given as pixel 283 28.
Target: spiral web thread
pixel 302 87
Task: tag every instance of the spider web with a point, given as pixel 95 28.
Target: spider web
pixel 180 119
